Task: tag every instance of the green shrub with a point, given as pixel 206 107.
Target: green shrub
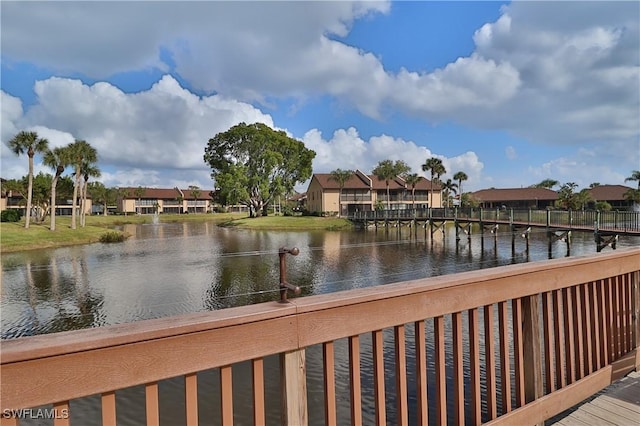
pixel 112 237
pixel 10 215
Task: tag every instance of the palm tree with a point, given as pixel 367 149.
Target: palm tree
pixel 412 180
pixel 447 188
pixel 195 193
pixel 341 177
pixel 460 176
pixel 139 192
pixel 387 170
pixel 30 143
pixel 57 159
pixel 88 170
pixel 81 154
pixel 435 167
pixel 635 176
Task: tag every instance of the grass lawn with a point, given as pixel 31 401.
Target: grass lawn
pixel 14 237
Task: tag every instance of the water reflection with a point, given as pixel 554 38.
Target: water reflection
pixel 175 268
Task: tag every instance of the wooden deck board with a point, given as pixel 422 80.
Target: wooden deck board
pixel 619 405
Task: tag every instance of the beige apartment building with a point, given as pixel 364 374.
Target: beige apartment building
pixel 164 200
pixel 363 192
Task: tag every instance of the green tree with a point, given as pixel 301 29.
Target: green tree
pixel 58 159
pixel 100 194
pixel 81 154
pixel 547 183
pixel 30 143
pixel 195 193
pixel 89 170
pixel 340 177
pixel 571 200
pixel 387 170
pixel 460 177
pixel 436 168
pixel 448 188
pixel 635 176
pixel 412 180
pixel 252 164
pixel 632 195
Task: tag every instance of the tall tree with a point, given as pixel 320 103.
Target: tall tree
pixel 30 143
pixel 195 193
pixel 435 167
pixel 635 176
pixel 387 170
pixel 412 180
pixel 340 177
pixel 252 164
pixel 58 159
pixel 460 177
pixel 89 170
pixel 81 153
pixel 100 194
pixel 449 187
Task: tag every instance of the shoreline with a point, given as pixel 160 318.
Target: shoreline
pixel 15 238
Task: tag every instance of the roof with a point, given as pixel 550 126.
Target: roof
pixel 360 180
pixel 608 192
pixel 515 194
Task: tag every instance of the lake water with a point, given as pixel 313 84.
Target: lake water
pixel 171 269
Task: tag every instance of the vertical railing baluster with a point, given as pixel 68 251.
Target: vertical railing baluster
pixel 458 368
pixel 595 325
pixel 257 383
pixel 577 332
pixel 615 309
pixel 109 409
pixel 532 353
pixel 441 380
pixel 293 387
pixel 191 397
pixel 609 321
pixel 559 347
pixel 624 315
pixel 354 380
pixel 152 408
pixel 378 377
pixel 329 384
pixel 569 346
pixel 61 414
pixel 421 373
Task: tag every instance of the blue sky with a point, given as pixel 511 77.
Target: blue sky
pixel 511 93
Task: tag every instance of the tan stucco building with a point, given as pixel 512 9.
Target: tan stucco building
pixel 363 192
pixel 164 200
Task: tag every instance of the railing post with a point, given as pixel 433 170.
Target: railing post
pixel 532 348
pixel 293 386
pixel 635 289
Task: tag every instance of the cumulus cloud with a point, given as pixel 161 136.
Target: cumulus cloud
pixel 165 127
pixel 347 150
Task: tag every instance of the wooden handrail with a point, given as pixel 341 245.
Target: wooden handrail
pixel 69 365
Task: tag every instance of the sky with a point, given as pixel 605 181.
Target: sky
pixel 511 93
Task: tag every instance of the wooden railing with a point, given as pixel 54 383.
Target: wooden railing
pixel 623 221
pixel 509 345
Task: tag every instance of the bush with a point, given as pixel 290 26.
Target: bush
pixel 112 237
pixel 10 215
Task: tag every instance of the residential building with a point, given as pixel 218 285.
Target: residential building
pixel 17 201
pixel 164 200
pixel 612 194
pixel 517 198
pixel 362 192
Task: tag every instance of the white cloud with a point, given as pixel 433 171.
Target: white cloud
pixel 510 153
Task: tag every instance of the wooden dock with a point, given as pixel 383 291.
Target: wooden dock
pixel 618 404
